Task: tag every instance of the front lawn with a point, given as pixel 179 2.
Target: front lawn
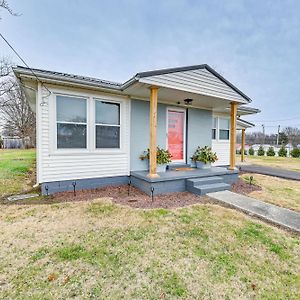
pixel 16 170
pixel 101 250
pixel 288 163
pixel 278 191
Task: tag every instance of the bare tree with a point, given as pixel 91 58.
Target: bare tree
pixel 7 79
pixel 293 135
pixel 5 6
pixel 19 119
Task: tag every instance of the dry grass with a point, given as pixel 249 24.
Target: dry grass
pixel 282 192
pixel 100 250
pixel 288 163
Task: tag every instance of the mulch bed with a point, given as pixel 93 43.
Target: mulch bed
pixel 244 188
pixel 119 195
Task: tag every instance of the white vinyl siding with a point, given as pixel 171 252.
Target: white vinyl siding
pixel 219 145
pixel 68 164
pixel 196 81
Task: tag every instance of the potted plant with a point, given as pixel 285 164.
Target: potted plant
pixel 204 157
pixel 163 157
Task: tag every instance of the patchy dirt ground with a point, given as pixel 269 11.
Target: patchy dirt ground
pixel 124 195
pixel 97 249
pixel 244 188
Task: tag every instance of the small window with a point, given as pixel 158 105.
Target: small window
pixel 214 128
pixel 224 129
pixel 71 122
pixel 107 124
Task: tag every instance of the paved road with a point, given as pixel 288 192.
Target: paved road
pixel 287 174
pixel 268 212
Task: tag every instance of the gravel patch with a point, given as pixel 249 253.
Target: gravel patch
pixel 244 188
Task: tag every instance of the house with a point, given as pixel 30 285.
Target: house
pixel 91 132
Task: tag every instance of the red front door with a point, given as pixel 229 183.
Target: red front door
pixel 176 121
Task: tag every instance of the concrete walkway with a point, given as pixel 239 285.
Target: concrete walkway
pixel 287 174
pixel 268 212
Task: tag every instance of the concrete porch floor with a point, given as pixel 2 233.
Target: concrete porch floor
pixel 174 175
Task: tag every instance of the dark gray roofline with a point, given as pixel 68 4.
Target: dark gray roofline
pixel 119 86
pixel 45 74
pixel 247 122
pixel 249 109
pixel 189 68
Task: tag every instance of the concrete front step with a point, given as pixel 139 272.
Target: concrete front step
pixel 209 188
pixel 193 182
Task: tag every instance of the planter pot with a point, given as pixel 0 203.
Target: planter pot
pixel 161 168
pixel 202 165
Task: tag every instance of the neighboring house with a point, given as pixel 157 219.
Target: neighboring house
pixel 91 132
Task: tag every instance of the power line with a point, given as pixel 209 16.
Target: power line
pixel 24 62
pixel 282 120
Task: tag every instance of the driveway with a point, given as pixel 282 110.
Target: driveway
pixel 287 174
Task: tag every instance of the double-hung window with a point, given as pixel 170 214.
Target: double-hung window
pixel 224 129
pixel 107 123
pixel 71 122
pixel 214 128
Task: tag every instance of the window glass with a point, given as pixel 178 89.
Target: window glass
pixel 107 113
pixel 70 109
pixel 71 117
pixel 214 128
pixel 224 134
pixel 224 123
pixel 107 124
pixel 107 136
pixel 214 131
pixel 215 121
pixel 71 135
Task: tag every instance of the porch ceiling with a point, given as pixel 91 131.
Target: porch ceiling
pixel 140 90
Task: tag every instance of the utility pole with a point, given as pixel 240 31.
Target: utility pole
pixel 264 133
pixel 278 135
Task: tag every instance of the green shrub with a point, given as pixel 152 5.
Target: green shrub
pixel 282 152
pixel 237 151
pixel 261 151
pixel 271 152
pixel 295 152
pixel 245 152
pixel 162 156
pixel 205 155
pixel 251 151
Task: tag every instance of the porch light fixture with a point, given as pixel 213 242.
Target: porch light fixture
pixel 188 101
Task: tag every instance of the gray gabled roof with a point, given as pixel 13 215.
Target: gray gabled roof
pixel 189 68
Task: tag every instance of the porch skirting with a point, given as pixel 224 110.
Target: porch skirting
pixel 168 182
pixel 175 181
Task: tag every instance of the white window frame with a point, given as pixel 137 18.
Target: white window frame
pixel 217 139
pixel 65 122
pixel 91 137
pixel 172 108
pixel 215 128
pixel 227 129
pixel 108 125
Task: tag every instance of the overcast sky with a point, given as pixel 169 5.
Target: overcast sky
pixel 253 44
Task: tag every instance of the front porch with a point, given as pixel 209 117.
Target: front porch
pixel 184 180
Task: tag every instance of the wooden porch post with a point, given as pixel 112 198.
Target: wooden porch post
pixel 153 127
pixel 243 146
pixel 233 114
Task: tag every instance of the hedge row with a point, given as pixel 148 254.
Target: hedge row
pixel 271 152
